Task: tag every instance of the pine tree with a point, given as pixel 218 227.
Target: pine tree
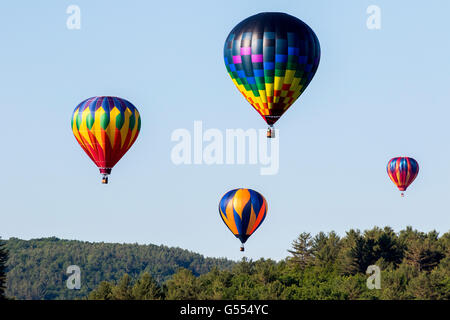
pixel 122 291
pixel 3 259
pixel 301 250
pixel 245 266
pixel 103 292
pixel 182 286
pixel 326 248
pixel 146 288
pixel 357 253
pixel 388 248
pixel 336 269
pixel 363 254
pixel 423 255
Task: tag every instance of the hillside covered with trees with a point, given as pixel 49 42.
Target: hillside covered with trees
pixel 413 264
pixel 36 269
pixel 3 260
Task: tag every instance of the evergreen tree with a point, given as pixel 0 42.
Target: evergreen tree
pixel 350 256
pixel 182 286
pixel 146 288
pixel 325 248
pixel 36 268
pixel 103 292
pixel 423 255
pixel 245 266
pixel 123 290
pixel 388 248
pixel 3 259
pixel 215 284
pixel 414 265
pixel 302 250
pixel 265 271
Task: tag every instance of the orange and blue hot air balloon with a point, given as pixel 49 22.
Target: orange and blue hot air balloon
pixel 105 128
pixel 271 58
pixel 243 211
pixel 402 171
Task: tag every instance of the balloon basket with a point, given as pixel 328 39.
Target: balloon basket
pixel 241 249
pixel 403 195
pixel 105 173
pixel 270 132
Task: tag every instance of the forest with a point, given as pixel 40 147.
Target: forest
pixel 325 266
pixel 36 269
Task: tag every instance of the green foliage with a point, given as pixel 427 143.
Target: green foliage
pixel 146 288
pixel 37 268
pixel 374 246
pixel 103 292
pixel 302 250
pixel 326 267
pixel 414 265
pixel 182 286
pixel 3 260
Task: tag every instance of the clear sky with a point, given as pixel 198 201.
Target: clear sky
pixel 377 94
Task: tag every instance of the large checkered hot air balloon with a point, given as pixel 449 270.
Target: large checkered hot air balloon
pixel 106 127
pixel 243 211
pixel 271 58
pixel 402 171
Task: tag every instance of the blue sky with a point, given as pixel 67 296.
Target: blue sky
pixel 377 94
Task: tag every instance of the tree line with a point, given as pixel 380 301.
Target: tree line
pixel 36 269
pixel 3 259
pixel 413 264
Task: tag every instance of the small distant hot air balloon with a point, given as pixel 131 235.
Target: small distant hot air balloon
pixel 243 211
pixel 271 58
pixel 105 127
pixel 402 171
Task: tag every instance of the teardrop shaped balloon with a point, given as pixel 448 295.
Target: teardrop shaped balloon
pixel 402 171
pixel 105 128
pixel 271 58
pixel 243 211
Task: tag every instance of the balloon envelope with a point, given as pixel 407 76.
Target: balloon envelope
pixel 105 128
pixel 243 211
pixel 271 58
pixel 402 171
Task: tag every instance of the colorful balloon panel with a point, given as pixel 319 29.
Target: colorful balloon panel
pixel 271 58
pixel 105 127
pixel 402 171
pixel 243 211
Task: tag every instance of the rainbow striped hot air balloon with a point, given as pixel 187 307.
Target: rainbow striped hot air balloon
pixel 243 211
pixel 402 171
pixel 271 58
pixel 105 128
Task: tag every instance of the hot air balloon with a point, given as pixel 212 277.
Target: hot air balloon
pixel 402 171
pixel 105 128
pixel 243 211
pixel 271 58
